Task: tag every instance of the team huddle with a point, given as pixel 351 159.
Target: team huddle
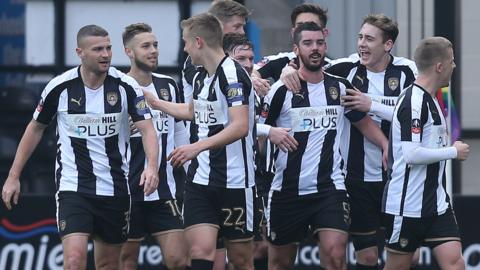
pixel 228 167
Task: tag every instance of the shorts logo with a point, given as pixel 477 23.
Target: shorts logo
pixel 112 98
pixel 62 224
pixel 403 242
pixel 346 213
pixel 265 109
pixel 333 91
pixel 392 83
pixel 416 126
pixel 164 94
pixel 40 105
pixel 273 235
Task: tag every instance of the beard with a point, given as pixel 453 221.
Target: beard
pixel 310 66
pixel 146 67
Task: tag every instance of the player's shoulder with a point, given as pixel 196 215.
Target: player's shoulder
pixel 405 62
pixel 62 79
pixel 269 58
pixel 163 77
pixel 339 79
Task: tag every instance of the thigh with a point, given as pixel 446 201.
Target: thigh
pixel 163 217
pixel 281 257
pixel 74 214
pixel 111 219
pixel 239 215
pixel 202 240
pixel 173 244
pixel 287 218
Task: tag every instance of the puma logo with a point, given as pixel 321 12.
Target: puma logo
pixel 76 101
pixel 359 78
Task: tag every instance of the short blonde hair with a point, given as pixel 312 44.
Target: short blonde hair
pixel 206 26
pixel 431 51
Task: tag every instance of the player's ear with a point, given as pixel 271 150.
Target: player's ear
pixel 129 52
pixel 295 49
pixel 79 52
pixel 199 42
pixel 388 45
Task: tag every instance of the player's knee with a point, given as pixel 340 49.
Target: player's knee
pixel 279 262
pixel 458 263
pixel 74 260
pixel 367 256
pixel 241 262
pixel 175 261
pixel 199 251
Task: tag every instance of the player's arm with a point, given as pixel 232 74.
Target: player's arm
pixel 30 139
pixel 237 129
pixel 149 177
pixel 374 134
pixel 415 154
pixel 180 111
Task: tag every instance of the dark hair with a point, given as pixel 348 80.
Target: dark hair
pixel 308 26
pixel 226 9
pixel 134 29
pixel 387 25
pixel 310 8
pixel 233 40
pixel 431 51
pixel 90 30
pixel 206 26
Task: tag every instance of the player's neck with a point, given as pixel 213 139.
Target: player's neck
pixel 92 79
pixel 311 76
pixel 143 78
pixel 429 83
pixel 213 58
pixel 381 65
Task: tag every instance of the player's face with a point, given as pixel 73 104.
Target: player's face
pixel 95 53
pixel 145 51
pixel 235 24
pixel 190 47
pixel 311 49
pixel 371 48
pixel 244 56
pixel 449 66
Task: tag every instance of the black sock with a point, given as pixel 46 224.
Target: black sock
pixel 366 267
pixel 261 264
pixel 199 264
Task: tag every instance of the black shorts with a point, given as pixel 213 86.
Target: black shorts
pixel 365 206
pixel 154 218
pixel 262 222
pixel 231 210
pixel 104 217
pixel 290 216
pixel 406 234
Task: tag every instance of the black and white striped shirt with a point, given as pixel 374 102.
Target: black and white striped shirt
pixel 168 131
pixel 363 158
pixel 230 166
pixel 317 121
pixel 416 190
pixel 92 131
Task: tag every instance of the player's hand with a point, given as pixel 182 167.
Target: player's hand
pixel 150 98
pixel 149 180
pixel 133 128
pixel 11 190
pixel 183 154
pixel 356 100
pixel 385 157
pixel 463 150
pixel 261 86
pixel 291 78
pixel 280 137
